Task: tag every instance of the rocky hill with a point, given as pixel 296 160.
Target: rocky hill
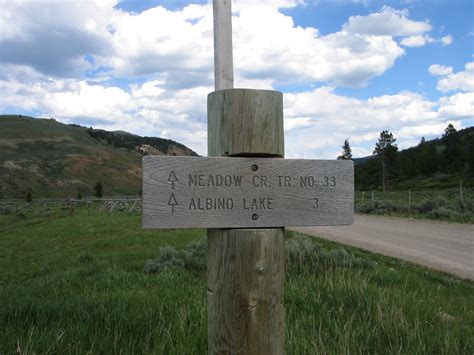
pixel 52 159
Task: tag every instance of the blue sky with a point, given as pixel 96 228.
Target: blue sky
pixel 347 69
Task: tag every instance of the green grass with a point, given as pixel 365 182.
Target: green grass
pixel 77 285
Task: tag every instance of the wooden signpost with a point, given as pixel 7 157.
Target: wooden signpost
pixel 246 185
pixel 246 192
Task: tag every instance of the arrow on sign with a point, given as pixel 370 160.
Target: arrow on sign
pixel 172 202
pixel 172 178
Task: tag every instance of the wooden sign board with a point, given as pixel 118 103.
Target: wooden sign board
pixel 184 192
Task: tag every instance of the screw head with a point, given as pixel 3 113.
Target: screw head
pixel 261 270
pixel 255 216
pixel 254 167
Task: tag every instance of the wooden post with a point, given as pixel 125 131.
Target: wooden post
pixel 223 63
pixel 409 202
pixel 246 267
pixel 71 207
pixel 461 195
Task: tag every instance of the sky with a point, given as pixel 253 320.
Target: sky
pixel 347 69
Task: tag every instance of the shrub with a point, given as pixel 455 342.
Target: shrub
pixel 302 255
pixel 305 255
pixel 425 206
pixel 193 257
pixel 365 207
pixel 442 213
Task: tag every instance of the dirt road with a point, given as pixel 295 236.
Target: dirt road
pixel 443 246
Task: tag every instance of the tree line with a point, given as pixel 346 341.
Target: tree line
pixel 131 141
pixel 453 153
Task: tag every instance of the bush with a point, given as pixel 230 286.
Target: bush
pixel 365 207
pixel 305 255
pixel 302 255
pixel 425 206
pixel 193 257
pixel 442 213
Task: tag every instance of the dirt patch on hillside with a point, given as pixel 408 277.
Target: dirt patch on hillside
pixel 80 164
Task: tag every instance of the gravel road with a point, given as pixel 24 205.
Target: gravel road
pixel 443 246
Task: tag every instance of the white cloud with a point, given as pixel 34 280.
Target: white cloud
pixel 462 81
pixel 457 106
pixel 288 53
pixel 388 22
pixel 54 38
pixel 320 118
pixel 446 40
pixel 416 41
pixel 323 119
pixel 439 70
pixel 66 38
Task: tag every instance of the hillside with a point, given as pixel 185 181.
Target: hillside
pixel 51 159
pixel 438 163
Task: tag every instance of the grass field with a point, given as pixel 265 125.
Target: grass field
pixel 77 285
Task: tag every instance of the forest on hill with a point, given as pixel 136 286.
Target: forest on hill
pixel 438 163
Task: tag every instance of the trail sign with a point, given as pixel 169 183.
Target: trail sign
pixel 246 192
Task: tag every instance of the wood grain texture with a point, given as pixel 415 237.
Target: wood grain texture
pixel 246 269
pixel 245 121
pixel 223 62
pixel 254 128
pixel 183 192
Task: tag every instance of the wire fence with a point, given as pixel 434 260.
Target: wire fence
pixel 439 204
pixel 411 202
pixel 70 207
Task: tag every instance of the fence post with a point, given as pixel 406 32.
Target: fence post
pixel 71 207
pixel 461 195
pixel 373 198
pixel 409 202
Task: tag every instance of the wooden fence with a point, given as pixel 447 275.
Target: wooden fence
pixel 64 207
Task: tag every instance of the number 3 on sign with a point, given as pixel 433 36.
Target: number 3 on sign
pixel 315 203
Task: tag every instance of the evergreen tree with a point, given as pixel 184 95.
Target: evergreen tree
pixel 386 151
pixel 428 159
pixel 28 197
pixel 470 153
pixel 98 190
pixel 79 196
pixel 453 158
pixel 449 130
pixel 422 141
pixel 346 151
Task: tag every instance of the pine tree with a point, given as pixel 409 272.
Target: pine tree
pixel 449 130
pixel 346 151
pixel 79 196
pixel 28 197
pixel 98 190
pixel 453 152
pixel 386 151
